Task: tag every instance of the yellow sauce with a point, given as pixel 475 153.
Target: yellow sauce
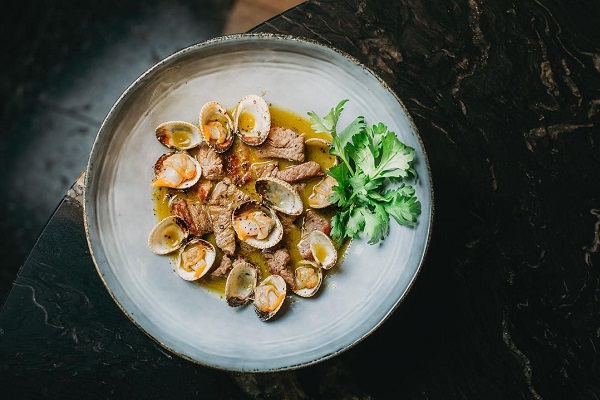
pixel 315 151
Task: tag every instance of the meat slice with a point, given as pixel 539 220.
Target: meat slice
pixel 301 172
pixel 224 198
pixel 237 164
pixel 203 189
pixel 211 162
pixel 227 194
pixel 313 221
pixel 195 216
pixel 224 267
pixel 282 143
pixel 278 262
pixel 263 169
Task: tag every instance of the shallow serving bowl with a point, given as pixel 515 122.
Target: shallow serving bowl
pixel 195 323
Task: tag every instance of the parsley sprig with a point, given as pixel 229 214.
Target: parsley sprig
pixel 372 158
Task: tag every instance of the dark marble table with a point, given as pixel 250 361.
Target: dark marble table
pixel 506 96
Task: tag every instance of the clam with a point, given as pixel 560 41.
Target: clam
pixel 240 284
pixel 279 195
pixel 308 277
pixel 269 296
pixel 178 135
pixel 168 235
pixel 322 249
pixel 216 125
pixel 257 225
pixel 176 170
pixel 319 198
pixel 196 258
pixel 252 120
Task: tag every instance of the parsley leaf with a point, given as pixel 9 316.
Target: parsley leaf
pixel 371 158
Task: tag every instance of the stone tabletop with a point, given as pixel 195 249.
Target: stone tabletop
pixel 506 97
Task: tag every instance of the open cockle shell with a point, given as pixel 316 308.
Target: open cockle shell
pixel 279 195
pixel 176 170
pixel 319 198
pixel 196 258
pixel 240 284
pixel 168 235
pixel 249 219
pixel 269 296
pixel 252 120
pixel 216 126
pixel 308 277
pixel 322 249
pixel 178 135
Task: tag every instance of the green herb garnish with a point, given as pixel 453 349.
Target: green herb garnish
pixel 371 158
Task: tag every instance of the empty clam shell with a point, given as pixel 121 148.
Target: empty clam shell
pixel 240 284
pixel 279 195
pixel 168 235
pixel 252 120
pixel 322 249
pixel 269 296
pixel 178 135
pixel 196 258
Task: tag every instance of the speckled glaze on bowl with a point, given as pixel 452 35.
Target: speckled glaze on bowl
pixel 188 320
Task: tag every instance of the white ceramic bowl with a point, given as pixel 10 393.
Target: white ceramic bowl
pixel 194 323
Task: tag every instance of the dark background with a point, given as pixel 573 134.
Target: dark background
pixel 64 64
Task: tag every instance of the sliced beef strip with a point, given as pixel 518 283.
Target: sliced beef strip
pixel 226 194
pixel 288 222
pixel 237 164
pixel 278 262
pixel 282 143
pixel 263 169
pixel 203 189
pixel 211 162
pixel 313 221
pixel 222 227
pixel 223 199
pixel 195 216
pixel 300 172
pixel 224 267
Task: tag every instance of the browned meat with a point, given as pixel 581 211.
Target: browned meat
pixel 211 162
pixel 237 164
pixel 278 264
pixel 222 227
pixel 300 172
pixel 260 170
pixel 288 222
pixel 224 267
pixel 203 189
pixel 313 221
pixel 194 215
pixel 224 198
pixel 226 194
pixel 282 143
